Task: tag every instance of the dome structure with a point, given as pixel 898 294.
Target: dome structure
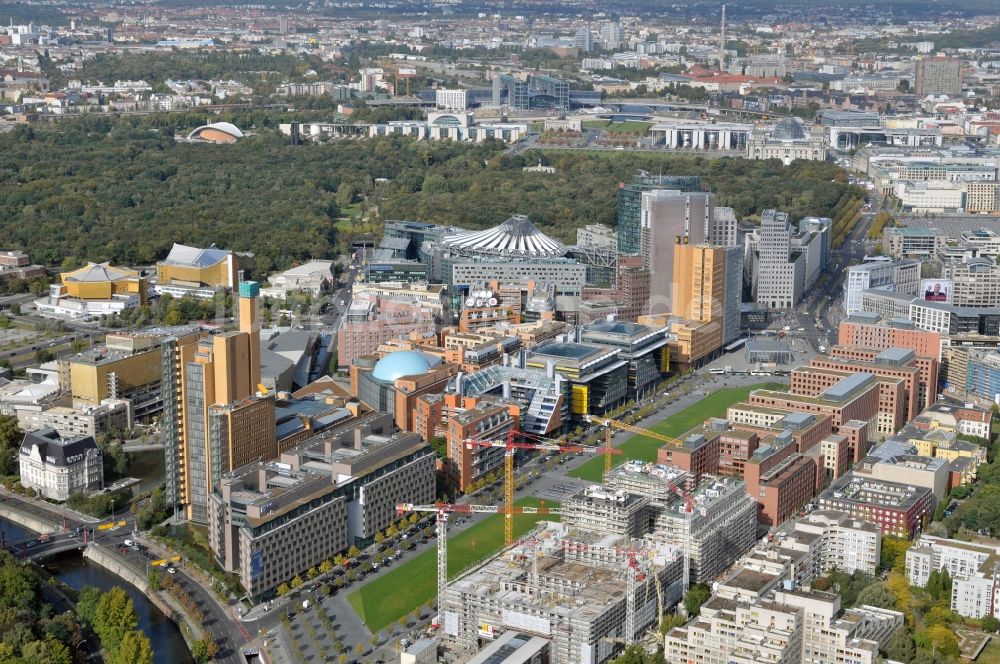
pixel 217 132
pixel 789 129
pixel 516 237
pixel 403 363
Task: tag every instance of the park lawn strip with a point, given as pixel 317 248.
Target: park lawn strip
pixel 644 448
pixel 397 593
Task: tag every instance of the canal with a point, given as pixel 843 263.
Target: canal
pixel 74 571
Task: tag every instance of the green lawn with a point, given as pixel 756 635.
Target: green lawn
pixel 644 448
pixel 403 589
pixel 627 126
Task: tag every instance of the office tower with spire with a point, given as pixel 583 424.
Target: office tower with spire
pixel 221 422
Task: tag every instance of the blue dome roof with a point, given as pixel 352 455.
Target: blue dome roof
pixel 403 363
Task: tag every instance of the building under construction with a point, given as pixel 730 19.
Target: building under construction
pixel 587 594
pixel 722 520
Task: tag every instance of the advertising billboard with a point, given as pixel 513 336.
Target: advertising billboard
pixel 935 290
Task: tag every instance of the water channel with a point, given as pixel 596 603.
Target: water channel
pixel 74 571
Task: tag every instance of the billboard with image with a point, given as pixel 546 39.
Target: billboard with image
pixel 935 290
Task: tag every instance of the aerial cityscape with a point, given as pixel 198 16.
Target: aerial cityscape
pixel 512 332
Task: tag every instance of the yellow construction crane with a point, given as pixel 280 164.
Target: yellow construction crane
pixel 610 424
pixel 510 447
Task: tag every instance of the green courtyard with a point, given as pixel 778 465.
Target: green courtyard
pixel 644 448
pixel 410 585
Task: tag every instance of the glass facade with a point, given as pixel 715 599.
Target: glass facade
pixel 630 204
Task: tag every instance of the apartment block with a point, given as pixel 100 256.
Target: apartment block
pixel 898 363
pixel 892 362
pixel 600 510
pixel 572 590
pixel 972 567
pixel 897 509
pixel 780 480
pixel 790 626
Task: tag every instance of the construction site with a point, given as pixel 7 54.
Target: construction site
pixel 588 594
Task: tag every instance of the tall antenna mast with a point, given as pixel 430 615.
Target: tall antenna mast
pixel 722 41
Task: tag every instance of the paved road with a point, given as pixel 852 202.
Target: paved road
pixel 224 629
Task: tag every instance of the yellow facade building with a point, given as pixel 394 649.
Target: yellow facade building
pixel 101 281
pixel 697 304
pixel 199 272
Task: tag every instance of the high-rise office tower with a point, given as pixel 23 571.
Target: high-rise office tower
pixel 584 40
pixel 630 204
pixel 216 421
pixel 733 294
pixel 779 276
pixel 699 282
pixel 612 34
pixel 669 218
pixel 938 76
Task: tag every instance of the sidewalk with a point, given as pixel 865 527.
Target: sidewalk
pixel 55 510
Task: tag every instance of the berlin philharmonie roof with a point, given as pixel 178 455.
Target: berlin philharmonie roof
pixel 181 254
pixel 515 237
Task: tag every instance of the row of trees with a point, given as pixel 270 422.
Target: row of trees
pixel 30 632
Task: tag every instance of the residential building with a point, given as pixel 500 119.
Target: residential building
pixel 897 509
pixel 596 509
pixel 57 467
pixel 901 276
pixel 972 567
pixel 597 236
pixel 582 611
pixel 910 469
pixel 974 283
pixel 938 76
pixel 748 620
pixel 848 545
pixel 780 480
pixel 897 363
pixel 109 416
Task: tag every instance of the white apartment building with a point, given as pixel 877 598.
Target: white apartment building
pixel 848 545
pixel 902 276
pixel 58 467
pixel 790 626
pixel 452 100
pixel 972 567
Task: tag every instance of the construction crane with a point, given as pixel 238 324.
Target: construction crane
pixel 510 447
pixel 688 502
pixel 632 578
pixel 443 510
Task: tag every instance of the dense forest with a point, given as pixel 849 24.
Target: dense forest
pixel 124 190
